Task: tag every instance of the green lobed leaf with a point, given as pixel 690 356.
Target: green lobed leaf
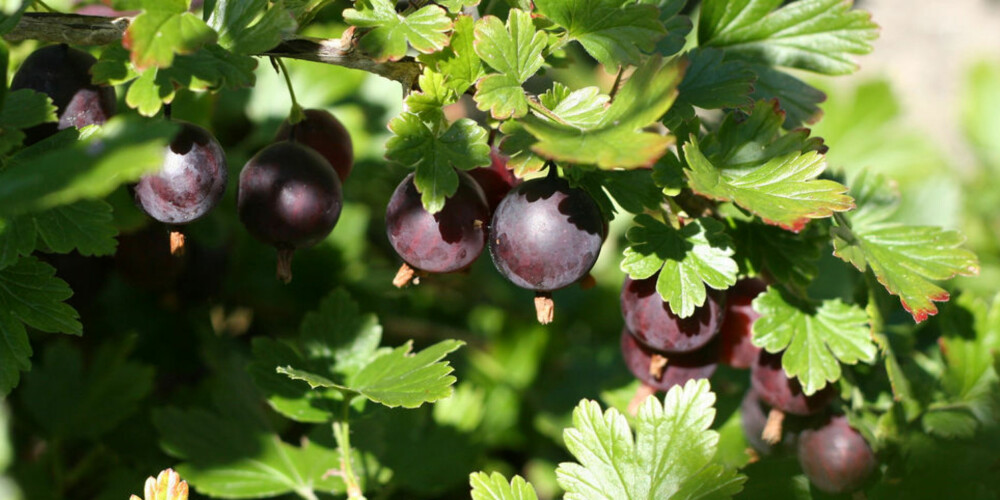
pixel 711 83
pixel 745 140
pixel 163 30
pixel 17 238
pixel 435 154
pixel 86 226
pixel 208 69
pixel 613 33
pixel 814 35
pixel 790 258
pixel 904 258
pixel 395 378
pixel 688 260
pixel 515 51
pixel 73 401
pixel 30 295
pixel 334 342
pixel 784 191
pixel 516 146
pixel 815 340
pixel 26 108
pixel 799 100
pixel 230 458
pixel 250 26
pixel 122 151
pixel 458 61
pixel 633 190
pixel 424 29
pixel 496 487
pixel 671 455
pixel 433 96
pixel 402 378
pixel 583 108
pixel 643 99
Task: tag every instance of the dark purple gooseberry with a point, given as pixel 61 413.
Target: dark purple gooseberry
pixel 777 390
pixel 288 197
pixel 496 180
pixel 546 235
pixel 783 394
pixel 679 368
pixel 835 457
pixel 190 183
pixel 63 74
pixel 444 242
pixel 737 350
pixel 652 322
pixel 321 131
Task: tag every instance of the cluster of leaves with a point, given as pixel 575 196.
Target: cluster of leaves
pixel 699 139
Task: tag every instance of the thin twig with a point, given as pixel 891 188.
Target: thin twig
pixel 75 29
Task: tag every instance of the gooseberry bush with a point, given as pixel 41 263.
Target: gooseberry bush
pixel 718 312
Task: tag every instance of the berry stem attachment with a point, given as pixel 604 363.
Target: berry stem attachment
pixel 404 276
pixel 772 429
pixel 297 114
pixel 544 307
pixel 176 243
pixel 284 272
pixel 657 364
pixel 641 395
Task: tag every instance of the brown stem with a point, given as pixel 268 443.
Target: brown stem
pixel 657 365
pixel 75 29
pixel 404 276
pixel 544 307
pixel 641 395
pixel 587 282
pixel 176 243
pixel 772 429
pixel 285 264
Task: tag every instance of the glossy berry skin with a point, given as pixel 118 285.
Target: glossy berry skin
pixel 680 367
pixel 443 242
pixel 289 196
pixel 496 180
pixel 63 74
pixel 649 318
pixel 546 235
pixel 321 131
pixel 835 457
pixel 736 348
pixel 777 390
pixel 190 183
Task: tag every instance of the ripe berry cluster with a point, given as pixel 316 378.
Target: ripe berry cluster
pixel 543 234
pixel 289 194
pixel 663 350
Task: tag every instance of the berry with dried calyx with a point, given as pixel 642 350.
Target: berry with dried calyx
pixel 190 183
pixel 783 394
pixel 653 324
pixel 288 197
pixel 546 235
pixel 443 242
